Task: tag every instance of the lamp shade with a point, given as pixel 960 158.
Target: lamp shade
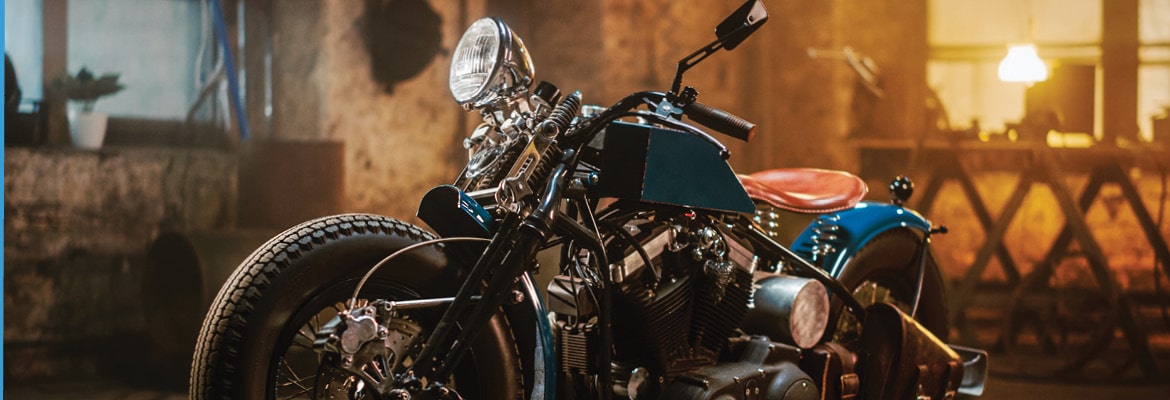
pixel 1022 64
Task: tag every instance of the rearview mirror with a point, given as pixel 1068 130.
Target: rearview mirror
pixel 741 24
pixel 730 33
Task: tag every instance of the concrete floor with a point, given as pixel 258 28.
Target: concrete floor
pixel 997 389
pixel 92 390
pixel 1011 389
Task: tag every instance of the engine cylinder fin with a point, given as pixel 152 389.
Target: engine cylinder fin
pixel 715 319
pixel 654 325
pixel 578 347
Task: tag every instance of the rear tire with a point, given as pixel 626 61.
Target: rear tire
pixel 257 326
pixel 887 269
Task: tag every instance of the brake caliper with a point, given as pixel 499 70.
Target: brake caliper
pixel 369 343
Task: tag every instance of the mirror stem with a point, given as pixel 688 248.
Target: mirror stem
pixel 690 61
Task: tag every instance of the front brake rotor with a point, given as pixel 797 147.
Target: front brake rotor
pixel 362 355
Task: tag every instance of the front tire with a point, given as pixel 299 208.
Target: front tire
pixel 254 342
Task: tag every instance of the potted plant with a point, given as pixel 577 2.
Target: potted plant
pixel 87 128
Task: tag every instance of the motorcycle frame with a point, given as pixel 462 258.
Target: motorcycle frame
pixel 501 269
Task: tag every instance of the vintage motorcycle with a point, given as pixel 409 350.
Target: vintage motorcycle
pixel 670 281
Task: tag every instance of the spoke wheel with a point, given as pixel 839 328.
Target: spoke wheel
pixel 304 373
pixel 256 341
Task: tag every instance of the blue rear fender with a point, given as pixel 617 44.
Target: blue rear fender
pixel 855 227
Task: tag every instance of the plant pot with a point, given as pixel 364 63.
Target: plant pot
pixel 87 129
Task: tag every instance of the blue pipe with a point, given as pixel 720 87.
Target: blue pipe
pixel 230 64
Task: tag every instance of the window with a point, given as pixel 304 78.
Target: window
pixel 1154 55
pixel 968 39
pixel 22 42
pixel 153 45
pixel 153 48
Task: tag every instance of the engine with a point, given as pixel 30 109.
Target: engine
pixel 682 287
pixel 680 296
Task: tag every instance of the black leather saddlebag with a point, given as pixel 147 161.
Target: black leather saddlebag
pixel 903 360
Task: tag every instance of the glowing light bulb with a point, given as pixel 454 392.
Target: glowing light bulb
pixel 1022 64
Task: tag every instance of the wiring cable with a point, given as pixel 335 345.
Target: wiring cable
pixel 208 82
pixel 204 32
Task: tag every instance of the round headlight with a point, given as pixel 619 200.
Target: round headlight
pixel 488 60
pixel 475 61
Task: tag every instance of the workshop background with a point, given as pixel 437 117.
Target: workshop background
pixel 112 252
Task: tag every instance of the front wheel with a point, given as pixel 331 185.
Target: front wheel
pixel 256 340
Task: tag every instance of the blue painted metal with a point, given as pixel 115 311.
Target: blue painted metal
pixel 545 362
pixel 230 64
pixel 856 227
pixel 666 166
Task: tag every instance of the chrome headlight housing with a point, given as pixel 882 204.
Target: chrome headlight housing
pixel 489 62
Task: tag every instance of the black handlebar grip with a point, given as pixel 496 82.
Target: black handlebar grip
pixel 721 121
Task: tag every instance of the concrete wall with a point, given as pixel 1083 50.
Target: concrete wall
pixel 76 225
pixel 399 145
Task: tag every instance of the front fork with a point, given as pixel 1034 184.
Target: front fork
pixel 356 336
pixel 489 285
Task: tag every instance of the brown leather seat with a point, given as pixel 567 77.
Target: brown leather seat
pixel 805 190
